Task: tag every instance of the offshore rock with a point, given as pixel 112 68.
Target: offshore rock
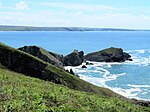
pixel 74 59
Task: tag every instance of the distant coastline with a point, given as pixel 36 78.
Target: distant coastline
pixel 30 28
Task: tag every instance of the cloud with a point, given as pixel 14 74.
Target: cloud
pixel 81 7
pixel 74 15
pixel 0 4
pixel 50 18
pixel 21 6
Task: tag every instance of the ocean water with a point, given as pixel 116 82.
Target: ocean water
pixel 130 79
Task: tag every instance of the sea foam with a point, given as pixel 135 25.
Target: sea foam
pixel 141 59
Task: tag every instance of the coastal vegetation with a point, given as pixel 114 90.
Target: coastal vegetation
pixel 20 93
pixel 31 84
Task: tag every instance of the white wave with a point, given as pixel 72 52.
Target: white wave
pixel 109 78
pixel 143 61
pixel 129 93
pixel 93 80
pixel 139 60
pixel 101 81
pixel 144 93
pixel 140 51
pixel 102 63
pixel 139 86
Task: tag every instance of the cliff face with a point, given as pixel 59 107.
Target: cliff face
pixel 108 55
pixel 46 56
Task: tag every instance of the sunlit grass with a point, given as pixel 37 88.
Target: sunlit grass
pixel 20 93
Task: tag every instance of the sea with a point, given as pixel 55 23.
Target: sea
pixel 130 79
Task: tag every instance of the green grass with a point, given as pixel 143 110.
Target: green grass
pixel 19 93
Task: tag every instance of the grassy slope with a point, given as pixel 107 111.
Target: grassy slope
pixel 66 79
pixel 21 93
pixel 46 53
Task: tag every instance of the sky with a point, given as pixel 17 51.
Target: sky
pixel 131 14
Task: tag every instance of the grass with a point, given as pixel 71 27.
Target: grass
pixel 108 51
pixel 19 93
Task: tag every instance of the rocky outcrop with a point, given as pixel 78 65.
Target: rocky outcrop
pixel 141 102
pixel 46 56
pixel 57 56
pixel 88 63
pixel 108 55
pixel 83 66
pixel 74 59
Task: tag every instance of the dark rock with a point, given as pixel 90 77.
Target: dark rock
pixel 67 71
pixel 74 59
pixel 83 66
pixel 130 59
pixel 46 56
pixel 108 55
pixel 71 72
pixel 57 56
pixel 88 63
pixel 141 102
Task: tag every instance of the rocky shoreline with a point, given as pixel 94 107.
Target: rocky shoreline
pixel 28 64
pixel 76 58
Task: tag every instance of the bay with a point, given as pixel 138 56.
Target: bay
pixel 131 79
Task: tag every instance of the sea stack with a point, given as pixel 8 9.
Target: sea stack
pixel 74 59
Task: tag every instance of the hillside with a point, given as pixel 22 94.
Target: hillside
pixel 20 93
pixel 29 65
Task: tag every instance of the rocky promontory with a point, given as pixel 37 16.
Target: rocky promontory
pixel 41 53
pixel 108 55
pixel 74 59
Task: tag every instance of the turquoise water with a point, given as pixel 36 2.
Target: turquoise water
pixel 131 79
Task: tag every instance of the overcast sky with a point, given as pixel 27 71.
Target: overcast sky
pixel 76 13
